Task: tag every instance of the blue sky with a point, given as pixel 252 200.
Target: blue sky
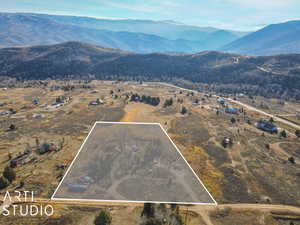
pixel 227 14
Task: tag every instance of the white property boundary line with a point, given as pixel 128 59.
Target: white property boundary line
pixel 52 198
pixel 128 201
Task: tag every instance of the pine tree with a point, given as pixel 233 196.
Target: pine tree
pixel 233 120
pixel 148 210
pixel 283 134
pixel 183 110
pixel 103 218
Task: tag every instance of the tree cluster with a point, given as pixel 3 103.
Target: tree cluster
pixel 154 214
pixel 154 101
pixel 168 102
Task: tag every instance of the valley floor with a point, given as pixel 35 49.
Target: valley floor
pixel 255 169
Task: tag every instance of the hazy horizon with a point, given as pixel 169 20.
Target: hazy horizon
pixel 227 14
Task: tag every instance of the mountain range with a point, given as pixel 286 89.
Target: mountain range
pixel 141 36
pixel 145 36
pixel 271 74
pixel 274 39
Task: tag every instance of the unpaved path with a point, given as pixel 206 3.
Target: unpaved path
pixel 279 151
pixel 203 210
pixel 294 125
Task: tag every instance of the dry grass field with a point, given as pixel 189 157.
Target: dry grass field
pixel 254 169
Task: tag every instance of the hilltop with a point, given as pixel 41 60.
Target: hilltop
pixel 276 75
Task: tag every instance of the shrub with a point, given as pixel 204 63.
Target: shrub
pixel 233 120
pixel 168 102
pixel 183 110
pixel 12 127
pixel 283 134
pixel 3 183
pixel 292 160
pixel 103 218
pixel 9 174
pixel 148 210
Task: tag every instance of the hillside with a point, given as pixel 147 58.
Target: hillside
pixel 283 38
pixel 167 28
pixel 278 74
pixel 140 36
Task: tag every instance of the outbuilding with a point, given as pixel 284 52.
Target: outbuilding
pixel 267 126
pixel 232 110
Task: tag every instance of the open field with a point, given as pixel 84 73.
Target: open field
pixel 280 108
pixel 254 169
pixel 131 162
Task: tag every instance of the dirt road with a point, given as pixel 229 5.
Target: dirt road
pixel 203 210
pixel 296 126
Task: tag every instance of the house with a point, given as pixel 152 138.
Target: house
pixel 267 126
pixel 46 147
pixel 55 106
pixel 221 101
pixel 20 160
pixel 61 167
pixel 227 142
pixel 97 102
pixel 36 102
pixel 94 91
pixel 232 110
pixel 93 103
pixel 37 116
pixel 8 112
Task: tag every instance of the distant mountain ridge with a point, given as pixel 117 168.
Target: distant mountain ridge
pixel 142 36
pixel 283 38
pixel 271 74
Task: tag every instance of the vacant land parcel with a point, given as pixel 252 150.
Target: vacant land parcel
pixel 131 162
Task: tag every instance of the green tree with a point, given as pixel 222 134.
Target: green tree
pixel 283 134
pixel 148 210
pixel 103 218
pixel 168 102
pixel 3 183
pixel 9 174
pixel 297 133
pixel 292 160
pixel 183 110
pixel 233 120
pixel 12 127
